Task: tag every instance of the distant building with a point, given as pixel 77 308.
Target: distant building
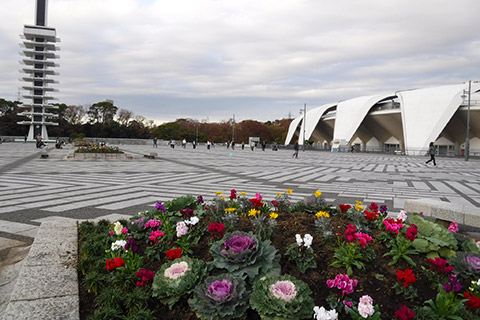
pixel 401 122
pixel 37 68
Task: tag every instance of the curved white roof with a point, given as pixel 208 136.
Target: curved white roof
pixel 425 112
pixel 292 128
pixel 350 114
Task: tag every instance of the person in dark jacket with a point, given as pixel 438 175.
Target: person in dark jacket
pixel 432 151
pixel 295 147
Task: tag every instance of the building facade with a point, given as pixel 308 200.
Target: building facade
pixel 401 122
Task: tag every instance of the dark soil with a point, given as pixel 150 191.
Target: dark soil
pixel 288 225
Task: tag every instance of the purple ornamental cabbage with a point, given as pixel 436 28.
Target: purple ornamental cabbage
pixel 220 297
pixel 241 254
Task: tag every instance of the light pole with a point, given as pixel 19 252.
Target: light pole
pixel 467 139
pixel 196 134
pixel 304 124
pixel 233 128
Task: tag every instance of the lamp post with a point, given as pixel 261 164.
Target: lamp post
pixel 304 124
pixel 467 139
pixel 196 133
pixel 233 128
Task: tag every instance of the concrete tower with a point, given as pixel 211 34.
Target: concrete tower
pixel 37 71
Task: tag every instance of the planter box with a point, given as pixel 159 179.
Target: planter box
pixel 100 156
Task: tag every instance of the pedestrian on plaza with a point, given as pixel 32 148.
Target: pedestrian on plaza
pixel 209 144
pixel 274 147
pixel 172 144
pixel 40 143
pixel 184 143
pixel 228 144
pixel 252 145
pixel 233 145
pixel 243 145
pixel 295 147
pixel 264 144
pixel 25 139
pixel 194 144
pixel 432 151
pixel 155 142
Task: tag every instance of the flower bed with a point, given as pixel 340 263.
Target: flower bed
pixel 248 258
pixel 98 149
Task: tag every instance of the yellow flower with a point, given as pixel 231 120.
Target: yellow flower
pixel 228 210
pixel 322 214
pixel 253 212
pixel 317 193
pixel 243 193
pixel 223 198
pixel 218 192
pixel 359 206
pixel 289 191
pixel 273 215
pixel 279 194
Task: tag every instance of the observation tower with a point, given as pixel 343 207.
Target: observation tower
pixel 38 51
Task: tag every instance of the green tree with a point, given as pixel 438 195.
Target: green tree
pixel 102 112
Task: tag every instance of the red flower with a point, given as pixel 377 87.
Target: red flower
pixel 257 203
pixel 407 276
pixel 344 207
pixel 411 232
pixel 275 203
pixel 439 266
pixel 404 313
pixel 115 263
pixel 216 229
pixel 233 194
pixel 174 253
pixel 350 232
pixel 473 301
pixel 145 276
pixel 371 216
pixel 187 213
pixel 373 207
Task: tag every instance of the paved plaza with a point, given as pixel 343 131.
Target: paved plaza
pixel 33 189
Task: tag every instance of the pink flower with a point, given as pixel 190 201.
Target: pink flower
pixel 365 306
pixel 453 227
pixel 155 234
pixel 111 233
pixel 350 232
pixel 343 282
pixel 176 270
pixel 393 225
pixel 363 239
pixel 182 229
pixel 124 230
pixel 153 224
pixel 284 290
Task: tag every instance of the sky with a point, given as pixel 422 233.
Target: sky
pixel 256 59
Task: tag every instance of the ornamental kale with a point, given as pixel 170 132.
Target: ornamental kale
pixel 220 297
pixel 243 254
pixel 282 297
pixel 176 279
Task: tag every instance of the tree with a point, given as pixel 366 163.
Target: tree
pixel 102 112
pixel 75 114
pixel 124 116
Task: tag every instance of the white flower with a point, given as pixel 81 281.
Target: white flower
pixel 117 227
pixel 299 239
pixel 307 239
pixel 402 215
pixel 478 282
pixel 119 244
pixel 193 221
pixel 322 314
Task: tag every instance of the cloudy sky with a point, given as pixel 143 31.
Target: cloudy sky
pixel 257 59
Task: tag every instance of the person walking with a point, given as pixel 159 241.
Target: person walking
pixel 432 151
pixel 252 145
pixel 25 139
pixel 295 147
pixel 243 145
pixel 155 142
